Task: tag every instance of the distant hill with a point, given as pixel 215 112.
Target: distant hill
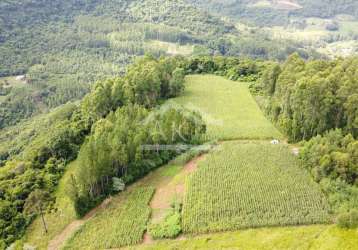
pixel 64 46
pixel 277 12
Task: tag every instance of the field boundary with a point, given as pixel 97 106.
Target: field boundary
pixel 174 189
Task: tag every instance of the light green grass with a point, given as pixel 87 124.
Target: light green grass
pixel 227 107
pixel 117 226
pixel 316 237
pixel 245 185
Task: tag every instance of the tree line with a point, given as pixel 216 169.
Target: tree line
pixel 316 103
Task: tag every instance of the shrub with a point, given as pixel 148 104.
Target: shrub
pixel 170 227
pixel 348 220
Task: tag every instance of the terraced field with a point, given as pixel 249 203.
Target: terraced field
pixel 251 184
pixel 227 107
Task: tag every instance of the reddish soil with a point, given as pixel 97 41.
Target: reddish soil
pixel 147 239
pixel 193 164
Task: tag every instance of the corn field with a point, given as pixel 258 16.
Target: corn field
pixel 250 184
pixel 121 225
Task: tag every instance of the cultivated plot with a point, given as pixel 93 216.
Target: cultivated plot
pixel 248 184
pixel 118 225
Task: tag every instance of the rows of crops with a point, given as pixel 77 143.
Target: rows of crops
pixel 228 108
pixel 251 185
pixel 119 225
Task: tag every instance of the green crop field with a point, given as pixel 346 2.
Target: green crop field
pixel 118 225
pixel 227 107
pixel 248 184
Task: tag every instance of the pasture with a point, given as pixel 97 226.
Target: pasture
pixel 227 107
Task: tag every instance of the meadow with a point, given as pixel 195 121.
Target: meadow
pixel 314 237
pixel 227 107
pixel 251 184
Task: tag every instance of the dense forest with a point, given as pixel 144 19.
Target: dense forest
pixel 309 98
pixel 61 48
pixel 272 14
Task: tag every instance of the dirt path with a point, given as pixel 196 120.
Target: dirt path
pixel 168 191
pixel 57 242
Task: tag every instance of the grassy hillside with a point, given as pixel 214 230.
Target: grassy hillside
pixel 246 185
pixel 228 108
pixel 283 238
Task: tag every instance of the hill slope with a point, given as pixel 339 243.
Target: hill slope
pixel 289 187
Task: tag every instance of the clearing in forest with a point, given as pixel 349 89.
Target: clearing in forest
pixel 251 184
pixel 227 107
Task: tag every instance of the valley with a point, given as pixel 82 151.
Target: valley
pixel 179 124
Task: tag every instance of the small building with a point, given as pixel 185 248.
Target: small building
pixel 275 142
pixel 20 78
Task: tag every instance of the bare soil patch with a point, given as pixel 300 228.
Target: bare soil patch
pixel 167 192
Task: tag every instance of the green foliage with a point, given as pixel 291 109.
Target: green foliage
pixel 64 47
pixel 244 185
pixel 116 147
pixel 308 98
pixel 332 161
pixel 332 156
pixel 170 227
pixel 272 14
pixel 38 151
pixel 130 219
pixel 348 220
pixel 11 223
